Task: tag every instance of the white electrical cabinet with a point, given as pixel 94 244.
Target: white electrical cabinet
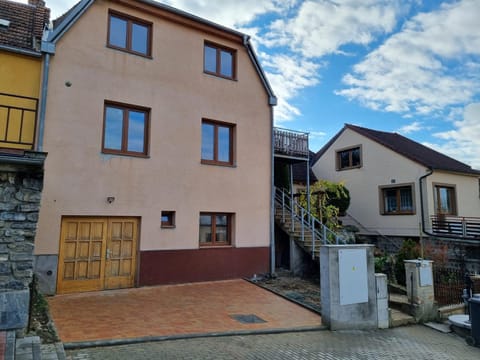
pixel 426 276
pixel 353 279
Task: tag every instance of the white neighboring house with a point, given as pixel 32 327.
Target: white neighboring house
pixel 397 184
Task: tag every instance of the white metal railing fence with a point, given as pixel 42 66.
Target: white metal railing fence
pixel 300 217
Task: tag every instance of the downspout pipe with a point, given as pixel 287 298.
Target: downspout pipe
pixel 422 208
pixel 272 196
pixel 43 102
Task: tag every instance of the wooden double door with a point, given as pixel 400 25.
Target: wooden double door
pixel 97 253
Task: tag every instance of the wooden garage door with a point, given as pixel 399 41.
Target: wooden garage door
pixel 97 254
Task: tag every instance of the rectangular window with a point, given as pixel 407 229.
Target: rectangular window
pixel 219 61
pixel 397 200
pixel 125 130
pixel 129 34
pixel 168 219
pixel 217 142
pixel 445 199
pixel 349 158
pixel 215 229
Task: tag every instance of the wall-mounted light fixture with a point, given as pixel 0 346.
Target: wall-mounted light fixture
pixel 110 199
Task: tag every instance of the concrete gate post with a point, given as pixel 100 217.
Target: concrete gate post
pixel 420 290
pixel 348 292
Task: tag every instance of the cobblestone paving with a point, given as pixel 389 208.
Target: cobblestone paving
pixel 413 342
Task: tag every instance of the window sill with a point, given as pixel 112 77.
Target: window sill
pixel 215 246
pixel 208 162
pixel 349 168
pixel 404 213
pixel 105 152
pixel 146 56
pixel 167 226
pixel 219 76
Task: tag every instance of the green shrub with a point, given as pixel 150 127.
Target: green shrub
pixel 409 251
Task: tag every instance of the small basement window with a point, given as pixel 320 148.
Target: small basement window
pixel 168 219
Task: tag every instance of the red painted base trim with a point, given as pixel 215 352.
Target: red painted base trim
pixel 183 266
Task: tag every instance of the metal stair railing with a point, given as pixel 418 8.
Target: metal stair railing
pixel 299 216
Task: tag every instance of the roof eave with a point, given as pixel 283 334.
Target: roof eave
pixel 63 27
pixel 20 51
pixel 272 99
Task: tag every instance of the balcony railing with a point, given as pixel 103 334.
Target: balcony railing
pixel 18 116
pixel 290 143
pixel 467 227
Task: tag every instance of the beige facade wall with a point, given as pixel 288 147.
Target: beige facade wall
pixel 172 84
pixel 467 192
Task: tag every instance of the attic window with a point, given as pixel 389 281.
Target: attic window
pixel 349 158
pixel 129 34
pixel 4 23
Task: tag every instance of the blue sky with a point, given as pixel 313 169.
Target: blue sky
pixel 406 66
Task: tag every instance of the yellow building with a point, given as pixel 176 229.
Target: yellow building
pixel 21 27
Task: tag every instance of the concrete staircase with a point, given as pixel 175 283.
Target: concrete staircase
pixel 302 238
pixel 305 229
pixel 399 307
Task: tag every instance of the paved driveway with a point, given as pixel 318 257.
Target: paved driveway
pixel 176 310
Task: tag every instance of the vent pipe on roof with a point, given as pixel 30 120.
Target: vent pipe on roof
pixel 4 23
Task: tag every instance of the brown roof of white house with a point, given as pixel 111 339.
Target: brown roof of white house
pixel 410 149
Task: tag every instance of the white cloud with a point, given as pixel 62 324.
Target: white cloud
pixel 413 127
pixel 321 26
pixel 288 75
pixel 231 13
pixel 422 69
pixel 463 142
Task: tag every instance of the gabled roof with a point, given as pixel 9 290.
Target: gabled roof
pixel 410 149
pixel 64 22
pixel 25 24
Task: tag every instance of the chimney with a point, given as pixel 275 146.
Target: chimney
pixel 39 3
pixel 41 19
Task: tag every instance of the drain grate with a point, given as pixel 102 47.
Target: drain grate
pixel 247 318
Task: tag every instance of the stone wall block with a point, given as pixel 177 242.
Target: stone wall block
pixel 7 206
pixel 20 256
pixel 24 275
pixel 22 246
pixel 5 269
pixel 21 266
pixel 15 285
pixel 33 217
pixel 13 216
pixel 29 207
pixel 28 196
pixel 24 225
pixel 9 233
pixel 7 193
pixel 33 184
pixel 3 248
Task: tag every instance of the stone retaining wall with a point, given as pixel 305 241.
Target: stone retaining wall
pixel 20 193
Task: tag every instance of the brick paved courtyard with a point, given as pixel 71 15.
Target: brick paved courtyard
pixel 173 310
